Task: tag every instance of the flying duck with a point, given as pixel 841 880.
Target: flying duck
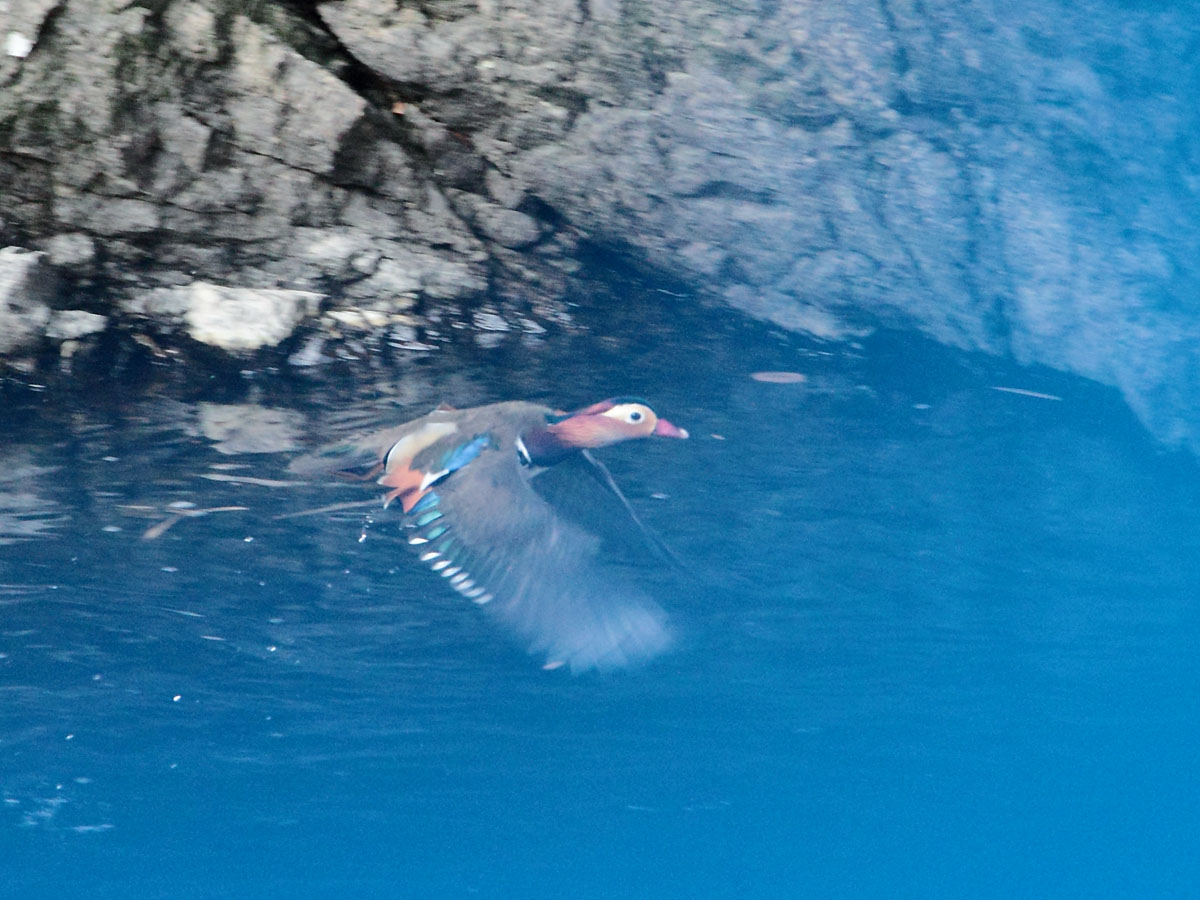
pixel 483 507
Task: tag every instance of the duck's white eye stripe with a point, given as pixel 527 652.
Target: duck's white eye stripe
pixel 633 413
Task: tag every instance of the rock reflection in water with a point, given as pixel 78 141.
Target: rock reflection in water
pixel 24 511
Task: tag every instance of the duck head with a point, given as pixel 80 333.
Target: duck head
pixel 599 425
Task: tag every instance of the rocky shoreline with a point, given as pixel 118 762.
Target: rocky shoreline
pixel 1018 182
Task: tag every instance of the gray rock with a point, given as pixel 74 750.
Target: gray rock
pixel 504 226
pixel 27 285
pixel 285 107
pixel 193 30
pixel 507 227
pixel 73 250
pixel 341 250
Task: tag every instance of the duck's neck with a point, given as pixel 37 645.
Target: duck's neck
pixel 541 446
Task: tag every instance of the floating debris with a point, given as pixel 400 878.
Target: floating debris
pixel 159 529
pixel 334 507
pixel 249 479
pixel 181 612
pixel 1038 395
pixel 779 377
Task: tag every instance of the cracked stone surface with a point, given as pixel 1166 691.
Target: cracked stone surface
pixel 1015 178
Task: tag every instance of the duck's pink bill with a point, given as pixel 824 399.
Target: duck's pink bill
pixel 663 428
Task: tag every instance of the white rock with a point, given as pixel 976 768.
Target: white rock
pixel 245 318
pixel 69 324
pixel 360 319
pixel 16 44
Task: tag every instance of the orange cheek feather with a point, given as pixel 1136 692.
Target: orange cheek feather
pixel 574 432
pixel 598 431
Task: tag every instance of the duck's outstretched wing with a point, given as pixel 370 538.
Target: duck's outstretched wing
pixel 499 544
pixel 584 491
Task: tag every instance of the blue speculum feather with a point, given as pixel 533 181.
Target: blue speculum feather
pixel 464 453
pixel 429 501
pixel 425 512
pixel 427 529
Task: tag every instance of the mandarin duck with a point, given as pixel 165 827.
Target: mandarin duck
pixel 482 508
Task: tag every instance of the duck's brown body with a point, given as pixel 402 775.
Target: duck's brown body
pixel 466 478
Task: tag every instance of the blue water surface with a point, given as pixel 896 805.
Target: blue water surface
pixel 933 639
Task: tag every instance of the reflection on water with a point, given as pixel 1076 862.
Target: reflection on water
pixel 24 513
pixel 934 639
pixel 249 428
